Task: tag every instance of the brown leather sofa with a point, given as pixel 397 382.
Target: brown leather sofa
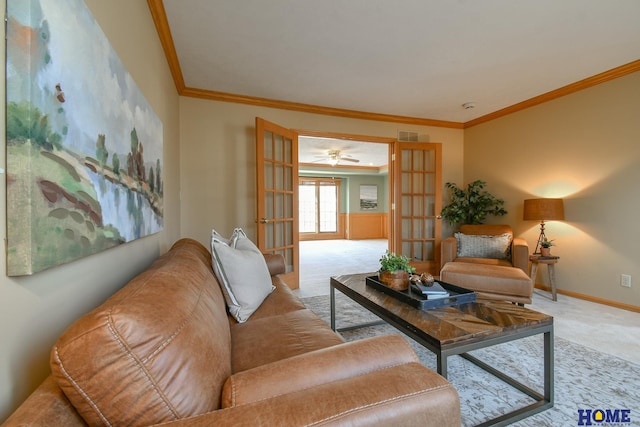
pixel 164 351
pixel 503 279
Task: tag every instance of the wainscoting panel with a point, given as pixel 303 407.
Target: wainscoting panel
pixel 367 226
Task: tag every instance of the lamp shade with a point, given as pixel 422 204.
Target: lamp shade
pixel 543 210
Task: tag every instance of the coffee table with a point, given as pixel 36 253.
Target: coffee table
pixel 456 330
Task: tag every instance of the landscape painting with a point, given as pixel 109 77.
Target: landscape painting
pixel 84 147
pixel 368 197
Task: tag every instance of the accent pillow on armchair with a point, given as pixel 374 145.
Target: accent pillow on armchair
pixel 484 246
pixel 485 240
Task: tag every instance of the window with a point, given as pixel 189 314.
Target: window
pixel 318 205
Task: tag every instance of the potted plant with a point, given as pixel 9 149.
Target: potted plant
pixel 471 205
pixel 394 271
pixel 545 247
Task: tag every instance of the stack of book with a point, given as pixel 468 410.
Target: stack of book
pixel 430 292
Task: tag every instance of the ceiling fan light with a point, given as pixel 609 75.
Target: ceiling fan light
pixel 333 161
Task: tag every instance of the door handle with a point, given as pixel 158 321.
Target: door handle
pixel 264 221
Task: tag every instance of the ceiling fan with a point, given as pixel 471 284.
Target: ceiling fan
pixel 333 157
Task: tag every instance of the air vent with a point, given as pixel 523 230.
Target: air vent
pixel 407 136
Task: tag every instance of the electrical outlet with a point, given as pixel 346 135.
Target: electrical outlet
pixel 625 280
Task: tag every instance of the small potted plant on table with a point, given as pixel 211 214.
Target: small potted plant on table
pixel 394 271
pixel 545 247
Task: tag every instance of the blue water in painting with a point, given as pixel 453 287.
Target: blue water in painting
pixel 126 210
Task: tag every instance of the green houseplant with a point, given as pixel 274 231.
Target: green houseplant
pixel 394 271
pixel 471 205
pixel 545 246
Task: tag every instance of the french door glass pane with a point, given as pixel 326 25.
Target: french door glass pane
pixel 288 179
pixel 418 161
pixel 288 205
pixel 288 150
pixel 279 205
pixel 279 148
pixel 268 176
pixel 328 209
pixel 268 205
pixel 308 206
pixel 268 145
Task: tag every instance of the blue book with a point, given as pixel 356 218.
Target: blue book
pixel 435 290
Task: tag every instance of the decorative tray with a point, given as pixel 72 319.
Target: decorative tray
pixel 457 295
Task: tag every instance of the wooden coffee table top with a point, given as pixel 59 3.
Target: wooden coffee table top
pixel 447 326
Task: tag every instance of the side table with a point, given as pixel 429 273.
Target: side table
pixel 550 261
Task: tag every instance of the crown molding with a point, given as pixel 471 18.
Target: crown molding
pixel 164 33
pixel 166 40
pixel 604 77
pixel 315 109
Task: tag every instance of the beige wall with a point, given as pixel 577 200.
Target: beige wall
pixel 35 310
pixel 584 147
pixel 217 155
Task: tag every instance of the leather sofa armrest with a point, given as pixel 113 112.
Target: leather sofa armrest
pixel 448 250
pixel 520 254
pixel 406 394
pixel 315 368
pixel 46 406
pixel 275 263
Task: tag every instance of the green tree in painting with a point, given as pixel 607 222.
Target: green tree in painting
pixel 152 179
pixel 131 163
pixel 158 177
pixel 101 150
pixel 27 123
pixel 115 164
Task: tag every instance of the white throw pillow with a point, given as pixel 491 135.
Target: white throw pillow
pixel 242 271
pixel 481 246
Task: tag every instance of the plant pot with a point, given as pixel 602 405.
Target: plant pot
pixel 545 251
pixel 398 280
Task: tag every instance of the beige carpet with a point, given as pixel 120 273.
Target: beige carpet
pixel 321 259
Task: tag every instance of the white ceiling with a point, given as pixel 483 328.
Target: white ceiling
pixel 415 58
pixel 411 58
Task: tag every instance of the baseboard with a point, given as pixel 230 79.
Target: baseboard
pixel 603 301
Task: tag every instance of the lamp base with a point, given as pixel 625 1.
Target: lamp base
pixel 541 238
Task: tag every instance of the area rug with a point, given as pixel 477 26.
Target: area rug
pixel 585 379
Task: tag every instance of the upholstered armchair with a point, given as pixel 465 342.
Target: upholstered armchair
pixel 489 260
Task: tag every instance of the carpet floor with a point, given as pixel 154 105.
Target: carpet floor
pixel 584 378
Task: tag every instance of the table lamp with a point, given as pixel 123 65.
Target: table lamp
pixel 543 210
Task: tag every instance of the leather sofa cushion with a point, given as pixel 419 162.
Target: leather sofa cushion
pixel 254 343
pixel 487 261
pixel 490 279
pixel 127 361
pixel 317 367
pixel 282 300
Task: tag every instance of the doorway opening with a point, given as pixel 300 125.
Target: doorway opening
pixel 344 205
